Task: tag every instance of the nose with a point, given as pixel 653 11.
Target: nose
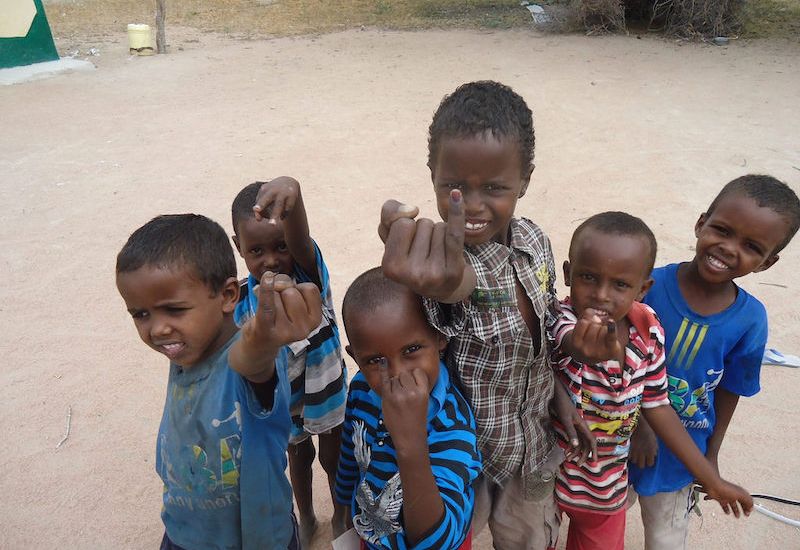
pixel 602 292
pixel 472 202
pixel 271 262
pixel 160 327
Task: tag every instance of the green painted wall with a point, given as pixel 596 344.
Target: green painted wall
pixel 36 47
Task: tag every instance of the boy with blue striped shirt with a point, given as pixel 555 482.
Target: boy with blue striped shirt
pixel 409 450
pixel 271 233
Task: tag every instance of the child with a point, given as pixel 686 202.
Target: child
pixel 409 452
pixel 618 372
pixel 223 436
pixel 271 234
pixel 488 278
pixel 715 334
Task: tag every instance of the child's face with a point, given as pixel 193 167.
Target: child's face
pixel 738 238
pixel 488 172
pixel 607 272
pixel 397 332
pixel 176 314
pixel 263 247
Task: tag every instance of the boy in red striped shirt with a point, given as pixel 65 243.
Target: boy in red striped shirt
pixel 609 351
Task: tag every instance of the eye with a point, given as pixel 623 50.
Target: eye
pixel 588 277
pixel 257 251
pixel 494 188
pixel 622 285
pixel 411 349
pixel 720 229
pixel 375 360
pixel 755 248
pixel 175 310
pixel 139 315
pixel 283 248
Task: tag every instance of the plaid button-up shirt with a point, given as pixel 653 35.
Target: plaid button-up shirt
pixel 493 357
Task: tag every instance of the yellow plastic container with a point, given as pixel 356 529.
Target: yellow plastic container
pixel 140 41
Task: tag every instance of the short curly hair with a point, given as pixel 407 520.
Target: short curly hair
pixel 476 108
pixel 619 223
pixel 768 192
pixel 181 240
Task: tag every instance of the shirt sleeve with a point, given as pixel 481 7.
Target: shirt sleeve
pixel 742 373
pixel 655 392
pixel 455 464
pixel 347 471
pixel 449 319
pixel 560 324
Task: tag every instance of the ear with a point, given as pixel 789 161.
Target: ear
pixel 766 264
pixel 235 240
pixel 700 223
pixel 230 295
pixel 526 180
pixel 349 351
pixel 645 287
pixel 566 272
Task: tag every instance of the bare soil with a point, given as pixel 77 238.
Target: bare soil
pixel 649 126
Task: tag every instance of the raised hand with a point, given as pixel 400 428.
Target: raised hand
pixel 287 312
pixel 276 199
pixel 404 400
pixel 425 256
pixel 594 338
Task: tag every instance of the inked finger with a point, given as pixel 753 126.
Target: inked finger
pixel 455 227
pixel 383 372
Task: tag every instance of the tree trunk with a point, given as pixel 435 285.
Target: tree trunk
pixel 161 39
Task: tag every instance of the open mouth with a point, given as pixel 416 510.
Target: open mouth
pixel 716 263
pixel 171 350
pixel 475 226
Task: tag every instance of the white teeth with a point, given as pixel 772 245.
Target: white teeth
pixel 475 226
pixel 172 348
pixel 717 263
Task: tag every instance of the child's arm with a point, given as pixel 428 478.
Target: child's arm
pixel 287 312
pixel 582 443
pixel 724 405
pixel 665 422
pixel 425 256
pixel 404 401
pixel 280 199
pixel 644 445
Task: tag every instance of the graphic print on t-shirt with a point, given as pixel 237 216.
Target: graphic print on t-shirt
pixel 689 404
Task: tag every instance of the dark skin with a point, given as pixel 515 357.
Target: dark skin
pixel 737 238
pixel 428 257
pixel 280 203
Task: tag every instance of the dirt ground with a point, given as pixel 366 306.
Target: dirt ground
pixel 648 126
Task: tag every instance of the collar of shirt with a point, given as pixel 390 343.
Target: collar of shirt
pixel 493 254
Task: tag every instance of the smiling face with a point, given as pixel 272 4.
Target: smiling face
pixel 178 315
pixel 488 172
pixel 607 272
pixel 263 247
pixel 398 332
pixel 737 238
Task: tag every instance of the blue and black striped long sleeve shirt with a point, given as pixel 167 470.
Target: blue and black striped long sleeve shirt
pixel 368 478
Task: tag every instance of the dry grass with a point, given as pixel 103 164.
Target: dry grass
pixel 284 17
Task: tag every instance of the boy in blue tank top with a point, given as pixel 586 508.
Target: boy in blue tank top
pixel 715 336
pixel 221 448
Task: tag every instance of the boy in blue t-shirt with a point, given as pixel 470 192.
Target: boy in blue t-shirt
pixel 271 234
pixel 409 450
pixel 221 449
pixel 715 337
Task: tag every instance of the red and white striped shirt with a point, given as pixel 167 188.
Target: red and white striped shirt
pixel 609 397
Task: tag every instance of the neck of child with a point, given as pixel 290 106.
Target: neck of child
pixel 704 297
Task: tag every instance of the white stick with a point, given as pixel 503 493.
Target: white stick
pixel 773 515
pixel 69 422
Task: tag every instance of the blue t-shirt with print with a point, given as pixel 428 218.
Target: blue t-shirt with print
pixel 703 352
pixel 222 456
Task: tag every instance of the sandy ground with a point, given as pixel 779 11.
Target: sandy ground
pixel 647 126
